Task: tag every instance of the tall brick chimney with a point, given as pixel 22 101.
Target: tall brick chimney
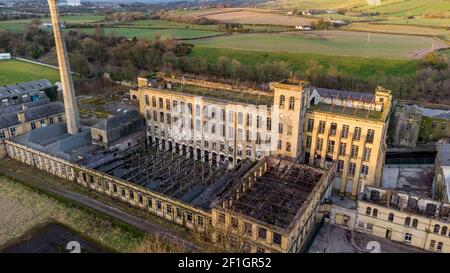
pixel 70 102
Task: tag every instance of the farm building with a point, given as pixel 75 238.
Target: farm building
pixel 5 56
pixel 23 92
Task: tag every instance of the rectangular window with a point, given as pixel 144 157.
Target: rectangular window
pixel 234 222
pixel 269 124
pixel 280 128
pixel 200 220
pixel 357 133
pixel 240 118
pixel 333 129
pixel 161 103
pixel 351 168
pixel 366 154
pixel 354 151
pixel 330 148
pixel 433 124
pixel 33 125
pixel 221 218
pixel 147 101
pixel 319 144
pixel 189 217
pixel 342 148
pixel 277 238
pixel 344 132
pixel 153 102
pixel 310 125
pixel 249 120
pixel 179 213
pixel 308 142
pixel 262 233
pixel 369 226
pixel 248 228
pixel 408 237
pixel 370 136
pixel 340 166
pixel 321 127
pixel 169 208
pixel 168 104
pixel 158 205
pixel 364 170
pixel 230 116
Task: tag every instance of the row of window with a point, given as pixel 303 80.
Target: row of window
pixel 351 168
pixel 436 229
pixel 150 202
pixel 434 124
pixel 283 101
pixel 169 119
pixel 248 229
pixel 341 150
pixel 13 130
pixel 357 131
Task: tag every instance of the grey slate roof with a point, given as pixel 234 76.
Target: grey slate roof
pixel 343 94
pixel 24 87
pixel 117 121
pixel 34 112
pixel 55 140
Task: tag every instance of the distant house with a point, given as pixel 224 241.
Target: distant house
pixel 49 25
pixel 303 27
pixel 5 56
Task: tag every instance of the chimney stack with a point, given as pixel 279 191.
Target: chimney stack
pixel 70 102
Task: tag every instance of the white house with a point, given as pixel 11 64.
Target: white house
pixel 5 56
pixel 303 27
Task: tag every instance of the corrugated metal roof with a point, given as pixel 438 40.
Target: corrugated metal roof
pixel 23 88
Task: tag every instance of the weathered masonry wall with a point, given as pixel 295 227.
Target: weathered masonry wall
pixel 134 195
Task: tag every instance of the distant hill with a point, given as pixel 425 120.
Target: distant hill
pixel 386 7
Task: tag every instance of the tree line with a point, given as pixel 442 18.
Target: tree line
pixel 93 55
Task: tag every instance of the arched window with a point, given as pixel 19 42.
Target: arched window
pixel 282 100
pixel 375 213
pixel 391 217
pixel 415 223
pixel 291 103
pixel 368 210
pixel 444 230
pixel 436 228
pixel 407 221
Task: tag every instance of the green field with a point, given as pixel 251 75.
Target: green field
pixel 14 71
pixel 342 43
pixel 163 24
pixel 149 33
pixel 20 25
pixel 358 67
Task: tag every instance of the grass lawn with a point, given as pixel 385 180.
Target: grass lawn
pixel 342 43
pixel 358 67
pixel 14 71
pixel 149 33
pixel 20 25
pixel 23 208
pixel 401 29
pixel 164 24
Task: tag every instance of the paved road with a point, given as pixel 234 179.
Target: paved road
pixel 105 209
